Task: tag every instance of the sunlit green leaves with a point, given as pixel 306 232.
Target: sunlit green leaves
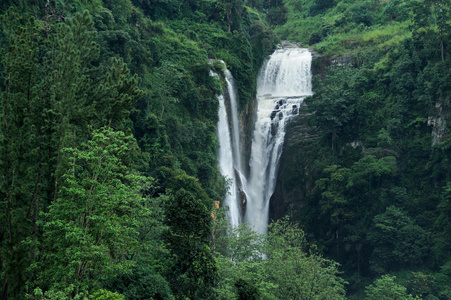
pixel 279 265
pixel 91 231
pixel 386 288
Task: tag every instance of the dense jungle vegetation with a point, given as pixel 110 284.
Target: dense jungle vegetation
pixel 108 150
pixel 379 201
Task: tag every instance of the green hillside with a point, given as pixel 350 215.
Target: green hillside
pixel 379 168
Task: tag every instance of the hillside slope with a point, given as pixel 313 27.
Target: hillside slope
pixel 371 183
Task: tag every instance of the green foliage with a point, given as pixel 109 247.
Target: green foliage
pixel 238 252
pixel 21 161
pixel 320 6
pixel 295 271
pixel 370 171
pixel 279 265
pixel 277 15
pixel 376 192
pixel 335 105
pixel 421 285
pixel 233 11
pixel 386 288
pixel 334 202
pixel 262 40
pixel 246 290
pixel 431 26
pixel 74 206
pixel 189 224
pixel 67 293
pixel 106 295
pixel 443 280
pixel 89 233
pixel 51 93
pixel 143 283
pixel 397 241
pixel 338 27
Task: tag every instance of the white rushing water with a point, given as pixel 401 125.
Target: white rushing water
pixel 231 88
pixel 284 82
pixel 229 154
pixel 226 167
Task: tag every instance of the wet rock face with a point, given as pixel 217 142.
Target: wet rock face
pixel 282 102
pixel 295 176
pixel 296 173
pixel 243 202
pixel 277 115
pixel 341 60
pixel 438 122
pixel 287 44
pixel 247 120
pixel 242 197
pixel 320 63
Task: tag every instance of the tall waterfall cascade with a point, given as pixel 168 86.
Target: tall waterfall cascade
pixel 226 167
pixel 232 90
pixel 283 83
pixel 229 154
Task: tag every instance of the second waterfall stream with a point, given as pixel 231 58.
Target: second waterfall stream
pixel 283 83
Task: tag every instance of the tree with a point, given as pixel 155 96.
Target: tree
pixel 397 241
pixel 66 294
pixel 233 10
pixel 335 206
pixel 320 6
pixel 385 288
pixel 262 41
pixel 22 150
pixel 296 269
pixel 371 171
pixel 277 15
pixel 443 281
pixel 442 245
pixel 246 290
pixel 279 265
pixel 166 80
pixel 334 201
pixel 90 228
pixel 52 94
pixel 241 264
pixel 430 25
pixel 142 284
pixel 334 106
pixel 189 226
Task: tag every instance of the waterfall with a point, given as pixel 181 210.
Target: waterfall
pixel 226 167
pixel 231 88
pixel 283 83
pixel 229 154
